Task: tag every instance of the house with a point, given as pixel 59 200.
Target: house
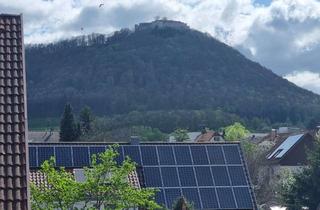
pixel 13 145
pixel 292 150
pixel 192 136
pixel 43 136
pixel 209 136
pixel 211 175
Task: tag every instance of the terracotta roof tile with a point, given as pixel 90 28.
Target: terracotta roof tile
pixel 39 179
pixel 13 176
pixel 205 137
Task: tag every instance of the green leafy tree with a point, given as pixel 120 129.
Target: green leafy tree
pixel 86 119
pixel 236 132
pixel 106 186
pixel 69 130
pixel 304 188
pixel 149 134
pixel 180 134
pixel 60 192
pixel 313 123
pixel 182 204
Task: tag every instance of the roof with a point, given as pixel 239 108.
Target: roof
pixel 205 137
pixel 13 164
pixel 39 178
pixel 43 136
pixel 282 149
pixel 191 137
pixel 211 175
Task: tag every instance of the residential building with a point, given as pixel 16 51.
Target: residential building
pixel 211 175
pixel 292 150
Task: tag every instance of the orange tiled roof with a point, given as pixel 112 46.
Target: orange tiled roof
pixel 205 137
pixel 39 179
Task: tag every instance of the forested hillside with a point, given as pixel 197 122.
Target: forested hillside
pixel 158 68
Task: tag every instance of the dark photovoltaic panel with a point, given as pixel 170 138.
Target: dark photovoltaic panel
pixel 120 157
pixel 133 153
pixel 152 176
pixel 33 156
pixel 204 176
pixel 80 156
pixel 166 156
pixel 183 155
pixel 160 198
pixel 44 153
pixel 63 156
pixel 243 197
pixel 209 198
pixel 199 155
pixel 225 197
pixel 170 177
pixel 220 175
pixel 193 195
pixel 232 154
pixel 215 154
pixel 171 196
pixel 212 176
pixel 95 150
pixel 149 155
pixel 187 177
pixel 237 175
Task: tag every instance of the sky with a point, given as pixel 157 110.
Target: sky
pixel 282 35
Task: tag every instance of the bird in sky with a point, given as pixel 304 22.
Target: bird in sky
pixel 100 5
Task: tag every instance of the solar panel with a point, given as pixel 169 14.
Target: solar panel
pixel 166 156
pixel 170 177
pixel 33 156
pixel 133 153
pixel 243 197
pixel 149 155
pixel 285 146
pixel 183 155
pixel 95 150
pixel 172 195
pixel 209 198
pixel 159 197
pixel 192 195
pixel 45 153
pixel 199 155
pixel 237 175
pixel 80 156
pixel 204 176
pixel 220 175
pixel 187 177
pixel 225 197
pixel 215 154
pixel 212 176
pixel 63 156
pixel 232 154
pixel 119 159
pixel 152 177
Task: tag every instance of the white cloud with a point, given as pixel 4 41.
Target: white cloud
pixel 283 36
pixel 305 79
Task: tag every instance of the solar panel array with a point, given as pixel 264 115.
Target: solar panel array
pixel 212 176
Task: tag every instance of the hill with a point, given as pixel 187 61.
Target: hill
pixel 162 65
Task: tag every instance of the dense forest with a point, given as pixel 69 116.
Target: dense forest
pixel 159 70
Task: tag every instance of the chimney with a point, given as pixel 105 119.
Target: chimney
pixel 134 140
pixel 273 134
